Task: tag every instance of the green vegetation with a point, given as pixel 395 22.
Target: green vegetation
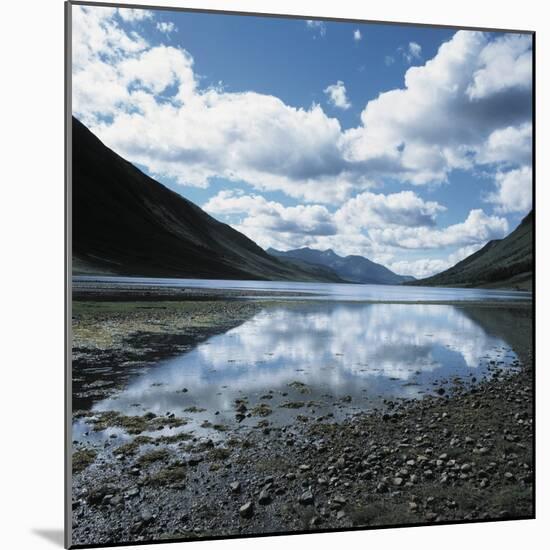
pixel 82 459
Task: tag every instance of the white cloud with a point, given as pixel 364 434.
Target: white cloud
pixel 431 126
pixel 381 227
pixel 270 223
pixel 317 26
pixel 426 267
pixel 477 228
pixel 337 95
pixel 503 65
pixel 513 192
pixel 134 14
pixel 370 210
pixel 146 103
pixel 166 27
pixel 357 36
pixel 414 51
pixel 389 60
pixel 410 53
pixel 510 145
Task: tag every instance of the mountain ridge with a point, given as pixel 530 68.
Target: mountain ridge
pixel 501 263
pixel 352 268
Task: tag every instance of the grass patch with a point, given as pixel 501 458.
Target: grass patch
pixel 82 459
pixel 219 454
pixel 194 409
pixel 155 455
pixel 262 409
pixel 300 386
pixel 131 447
pixel 134 425
pixel 168 439
pixel 170 475
pixel 292 405
pixel 381 512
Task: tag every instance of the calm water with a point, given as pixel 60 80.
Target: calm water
pixel 325 291
pixel 337 351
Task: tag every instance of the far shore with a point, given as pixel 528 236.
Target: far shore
pixel 117 292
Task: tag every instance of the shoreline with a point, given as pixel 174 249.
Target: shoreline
pixel 131 294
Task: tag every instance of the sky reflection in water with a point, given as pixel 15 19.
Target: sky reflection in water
pixel 366 351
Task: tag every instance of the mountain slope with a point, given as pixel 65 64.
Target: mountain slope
pixel 126 223
pixel 354 269
pixel 503 263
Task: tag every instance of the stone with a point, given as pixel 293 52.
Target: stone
pixel 235 486
pixel 146 518
pixel 265 497
pixel 398 481
pixel 306 498
pixel 339 500
pixel 246 510
pixel 116 500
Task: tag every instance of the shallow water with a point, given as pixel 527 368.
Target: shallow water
pixel 337 358
pixel 319 291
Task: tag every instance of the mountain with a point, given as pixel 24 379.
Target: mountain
pixel 503 263
pixel 353 269
pixel 126 223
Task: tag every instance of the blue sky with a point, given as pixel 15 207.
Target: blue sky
pixel 404 144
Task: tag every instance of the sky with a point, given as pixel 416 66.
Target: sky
pixel 408 145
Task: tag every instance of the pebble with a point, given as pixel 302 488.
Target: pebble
pixel 235 486
pixel 246 510
pixel 306 498
pixel 265 497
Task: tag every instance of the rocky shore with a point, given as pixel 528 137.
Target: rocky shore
pixel 461 453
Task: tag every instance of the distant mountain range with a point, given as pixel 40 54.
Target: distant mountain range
pixel 126 223
pixel 352 269
pixel 503 263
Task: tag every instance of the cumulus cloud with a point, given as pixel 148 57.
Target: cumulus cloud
pixel 434 125
pixel 513 193
pixel 377 226
pixel 144 101
pixel 411 52
pixel 357 36
pixel 134 14
pixel 337 95
pixel 166 27
pixel 318 27
pixel 425 267
pixel 510 145
pixel 270 222
pixel 477 228
pixel 504 64
pixel 370 210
